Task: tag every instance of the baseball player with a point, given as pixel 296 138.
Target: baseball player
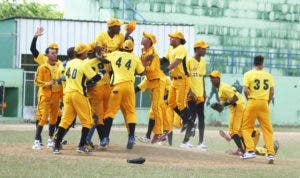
pixel 56 88
pixel 259 90
pixel 180 84
pixel 98 93
pixel 155 82
pixel 196 97
pixel 75 98
pixel 44 80
pixel 124 65
pixel 233 99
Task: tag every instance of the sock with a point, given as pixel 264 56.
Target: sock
pixel 100 130
pixel 201 135
pixel 151 124
pixel 58 136
pixel 107 126
pixel 170 138
pixel 90 135
pixel 131 129
pixel 57 122
pixel 176 109
pixel 38 132
pixel 84 132
pixel 51 130
pixel 238 141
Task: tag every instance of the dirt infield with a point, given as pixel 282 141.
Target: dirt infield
pixel 154 154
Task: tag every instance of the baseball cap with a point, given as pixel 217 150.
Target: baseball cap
pixel 90 46
pixel 130 26
pixel 53 45
pixel 201 44
pixel 80 48
pixel 150 36
pixel 177 34
pixel 114 22
pixel 128 45
pixel 215 73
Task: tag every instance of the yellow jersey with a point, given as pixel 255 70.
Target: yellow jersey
pixel 226 92
pixel 77 73
pixel 124 65
pixel 97 66
pixel 259 83
pixel 197 70
pixel 152 68
pixel 180 52
pixel 112 44
pixel 42 78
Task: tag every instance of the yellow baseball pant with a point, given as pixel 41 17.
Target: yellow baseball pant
pixel 98 98
pixel 178 92
pixel 122 95
pixel 43 109
pixel 235 119
pixel 54 107
pixel 258 109
pixel 76 104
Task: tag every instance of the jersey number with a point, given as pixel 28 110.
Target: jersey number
pixel 257 84
pixel 74 72
pixel 127 64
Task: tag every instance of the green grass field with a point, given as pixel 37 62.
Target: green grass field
pixel 19 160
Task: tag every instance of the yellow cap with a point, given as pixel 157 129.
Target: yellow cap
pixel 114 22
pixel 80 48
pixel 150 36
pixel 201 44
pixel 177 34
pixel 128 45
pixel 53 45
pixel 130 26
pixel 215 73
pixel 90 46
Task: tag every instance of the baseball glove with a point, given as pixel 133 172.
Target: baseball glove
pixel 217 106
pixel 136 160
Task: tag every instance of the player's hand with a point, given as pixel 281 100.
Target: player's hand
pixel 149 57
pixel 52 82
pixel 39 32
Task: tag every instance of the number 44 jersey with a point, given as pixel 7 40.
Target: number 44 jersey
pixel 259 83
pixel 124 66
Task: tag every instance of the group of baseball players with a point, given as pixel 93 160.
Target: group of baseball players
pixel 98 79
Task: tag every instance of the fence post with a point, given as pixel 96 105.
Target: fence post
pixel 213 60
pixel 288 64
pixel 270 63
pixel 232 61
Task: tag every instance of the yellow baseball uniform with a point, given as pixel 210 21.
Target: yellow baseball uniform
pixel 75 97
pixel 112 44
pixel 180 77
pixel 259 83
pixel 226 92
pixel 43 76
pixel 124 66
pixel 156 85
pixel 197 70
pixel 57 89
pixel 99 94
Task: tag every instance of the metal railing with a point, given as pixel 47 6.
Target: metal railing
pixel 2 93
pixel 126 4
pixel 240 61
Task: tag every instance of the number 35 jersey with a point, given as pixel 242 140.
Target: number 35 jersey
pixel 124 66
pixel 259 83
pixel 77 73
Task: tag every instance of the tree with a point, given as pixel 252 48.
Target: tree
pixel 25 9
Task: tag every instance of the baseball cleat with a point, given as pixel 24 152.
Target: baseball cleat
pixel 248 155
pixel 186 145
pixel 202 147
pixel 56 151
pixel 130 142
pixel 50 143
pixel 156 138
pixel 144 139
pixel 270 159
pixel 104 142
pixel 83 149
pixel 37 145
